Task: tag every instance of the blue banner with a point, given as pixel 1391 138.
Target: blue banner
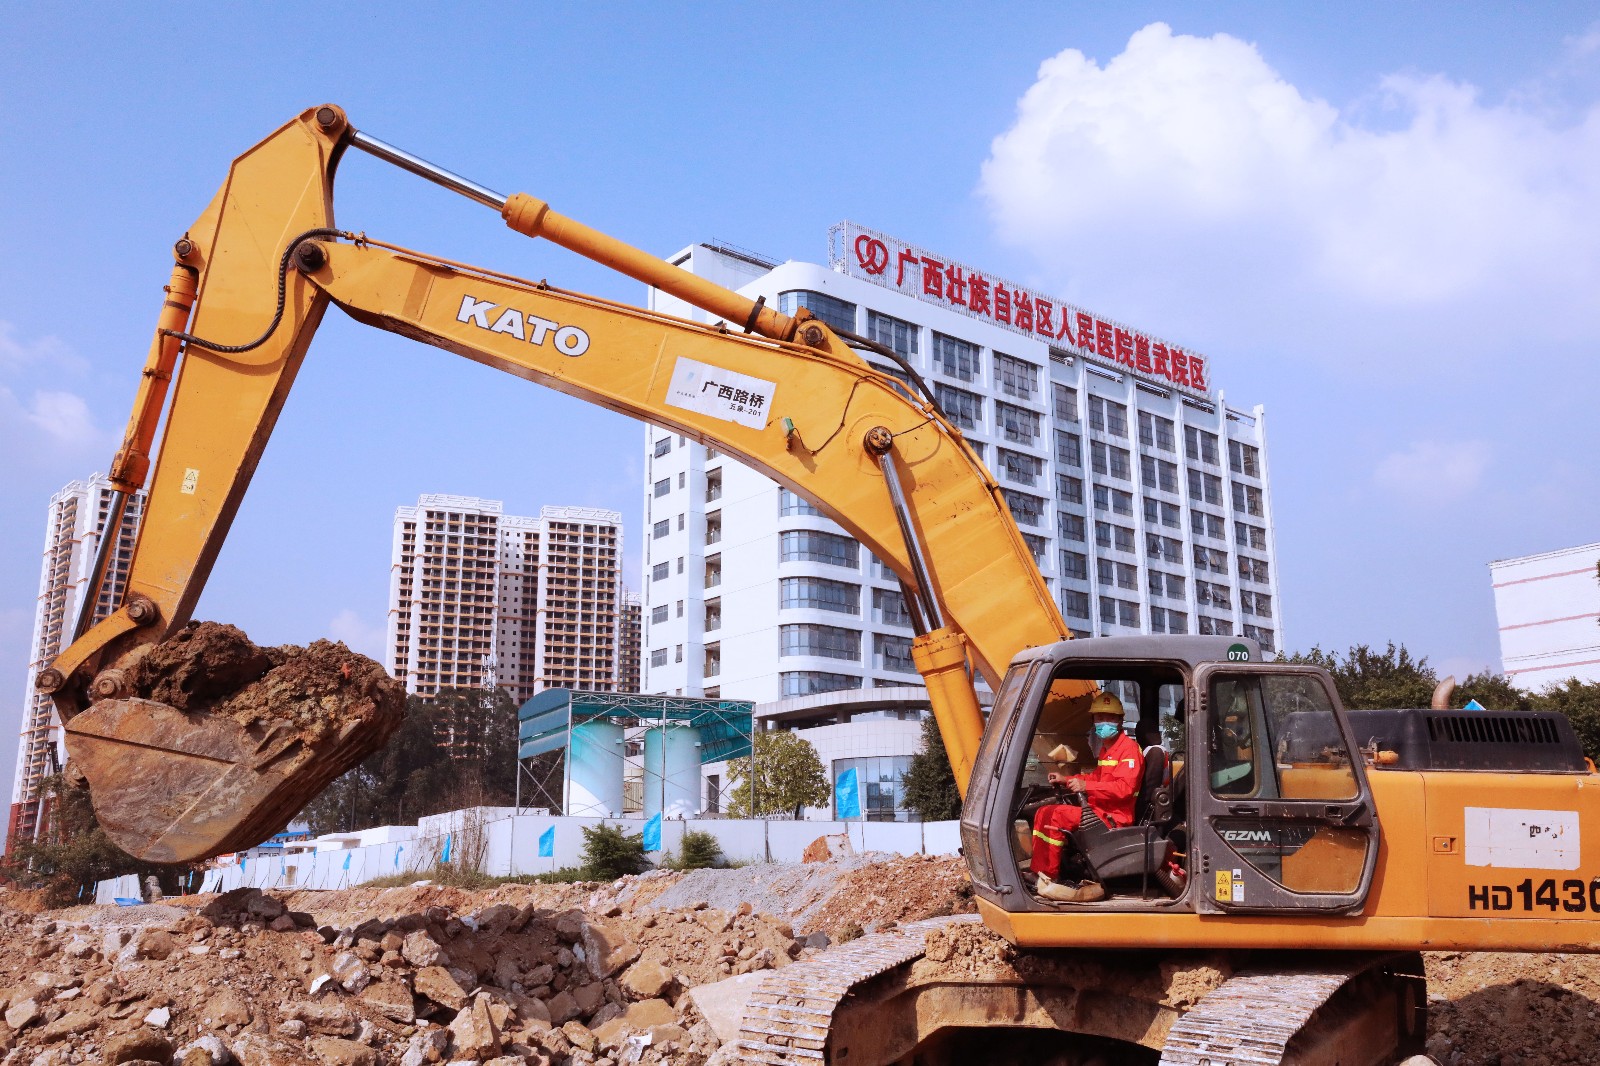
pixel 547 843
pixel 652 834
pixel 848 795
pixel 397 852
pixel 347 860
pixel 1474 705
pixel 448 840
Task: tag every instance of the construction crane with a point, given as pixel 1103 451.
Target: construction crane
pixel 1300 855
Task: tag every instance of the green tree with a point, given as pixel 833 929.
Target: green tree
pixel 1372 679
pixel 1493 692
pixel 1580 702
pixel 456 749
pixel 73 852
pixel 930 784
pixel 699 851
pixel 610 853
pixel 787 776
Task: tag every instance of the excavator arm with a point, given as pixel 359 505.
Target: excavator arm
pixel 785 395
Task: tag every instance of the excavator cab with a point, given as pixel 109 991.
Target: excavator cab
pixel 1253 796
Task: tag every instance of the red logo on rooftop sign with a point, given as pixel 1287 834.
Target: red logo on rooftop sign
pixel 895 265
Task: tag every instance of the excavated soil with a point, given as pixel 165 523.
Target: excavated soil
pixel 316 690
pixel 584 975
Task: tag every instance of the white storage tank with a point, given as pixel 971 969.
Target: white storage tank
pixel 594 770
pixel 672 772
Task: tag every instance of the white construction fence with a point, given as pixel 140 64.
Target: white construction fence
pixel 501 843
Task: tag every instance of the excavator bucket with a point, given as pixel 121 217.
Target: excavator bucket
pixel 217 743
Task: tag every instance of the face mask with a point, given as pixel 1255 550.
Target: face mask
pixel 1106 730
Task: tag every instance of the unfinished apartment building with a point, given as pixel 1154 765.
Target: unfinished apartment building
pixel 479 598
pixel 77 515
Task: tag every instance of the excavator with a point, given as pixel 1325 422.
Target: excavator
pixel 1288 861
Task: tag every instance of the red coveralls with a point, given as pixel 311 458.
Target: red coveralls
pixel 1111 788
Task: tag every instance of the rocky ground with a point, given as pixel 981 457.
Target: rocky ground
pixel 586 975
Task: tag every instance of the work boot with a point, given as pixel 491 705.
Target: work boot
pixel 1067 892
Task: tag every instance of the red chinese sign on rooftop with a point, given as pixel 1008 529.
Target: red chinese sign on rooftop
pixel 884 260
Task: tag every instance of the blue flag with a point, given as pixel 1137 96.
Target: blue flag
pixel 397 852
pixel 347 860
pixel 1473 705
pixel 448 840
pixel 243 862
pixel 848 795
pixel 652 834
pixel 547 843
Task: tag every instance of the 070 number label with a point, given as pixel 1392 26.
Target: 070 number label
pixel 1571 895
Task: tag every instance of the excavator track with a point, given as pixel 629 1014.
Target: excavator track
pixel 1346 1009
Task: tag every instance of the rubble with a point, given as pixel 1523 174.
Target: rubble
pixel 571 975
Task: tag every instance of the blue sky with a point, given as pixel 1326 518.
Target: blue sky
pixel 1380 221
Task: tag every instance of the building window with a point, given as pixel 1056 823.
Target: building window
pixel 663 446
pixel 1016 424
pixel 1119 612
pixel 1158 474
pixel 955 357
pixel 661 571
pixel 1156 432
pixel 1199 445
pixel 878 779
pixel 1161 513
pixel 1070 526
pixel 818 593
pixel 1108 416
pixel 1256 603
pixel 962 408
pixel 1168 549
pixel 1069 489
pixel 1113 500
pixel 1207 525
pixel 1037 546
pixel 678 654
pixel 1166 620
pixel 1026 510
pixel 663 486
pixel 1246 500
pixel 1075 603
pixel 1248 536
pixel 661 529
pixel 838 314
pixel 1015 377
pixel 893 333
pixel 1023 469
pixel 1207 487
pixel 1263 637
pixel 1164 584
pixel 1244 458
pixel 1074 564
pixel 1066 402
pixel 828 642
pixel 811 682
pixel 713 486
pixel 815 546
pixel 1212 559
pixel 791 504
pixel 1111 535
pixel 1069 449
pixel 1110 461
pixel 1211 595
pixel 889 608
pixel 658 657
pixel 894 654
pixel 1213 627
pixel 1253 569
pixel 658 614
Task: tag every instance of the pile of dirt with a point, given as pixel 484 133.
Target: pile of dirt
pixel 317 690
pixel 1500 1009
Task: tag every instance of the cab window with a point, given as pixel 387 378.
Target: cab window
pixel 1276 736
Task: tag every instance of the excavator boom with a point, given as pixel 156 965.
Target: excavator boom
pixel 785 395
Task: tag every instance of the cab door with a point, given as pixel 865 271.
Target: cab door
pixel 1280 813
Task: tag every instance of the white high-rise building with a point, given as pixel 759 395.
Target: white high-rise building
pixel 1548 609
pixel 77 516
pixel 1143 493
pixel 479 598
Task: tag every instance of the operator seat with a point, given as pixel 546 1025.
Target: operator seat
pixel 1138 850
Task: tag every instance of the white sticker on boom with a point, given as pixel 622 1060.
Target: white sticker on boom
pixel 1523 840
pixel 724 394
pixel 191 478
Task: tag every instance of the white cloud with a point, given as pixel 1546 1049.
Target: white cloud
pixel 50 429
pixel 351 628
pixel 46 352
pixel 1192 167
pixel 1434 472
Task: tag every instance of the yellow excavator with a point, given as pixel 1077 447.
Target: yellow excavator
pixel 1288 860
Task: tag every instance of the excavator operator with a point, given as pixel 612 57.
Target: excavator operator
pixel 1108 792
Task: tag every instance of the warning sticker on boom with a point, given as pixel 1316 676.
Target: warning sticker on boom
pixel 1522 839
pixel 725 394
